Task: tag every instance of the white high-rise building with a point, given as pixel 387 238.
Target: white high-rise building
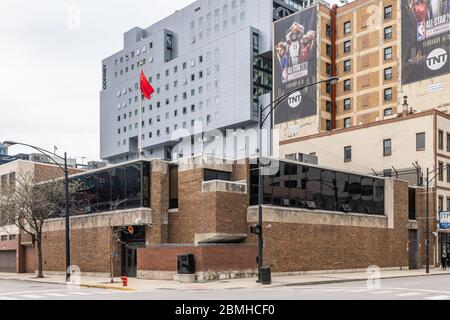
pixel 209 63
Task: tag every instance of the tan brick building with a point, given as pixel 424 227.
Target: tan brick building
pixel 361 43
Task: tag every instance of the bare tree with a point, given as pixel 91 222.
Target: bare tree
pixel 28 206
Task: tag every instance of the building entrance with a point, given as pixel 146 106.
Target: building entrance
pixel 131 241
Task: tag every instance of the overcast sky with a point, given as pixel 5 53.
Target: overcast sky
pixel 50 70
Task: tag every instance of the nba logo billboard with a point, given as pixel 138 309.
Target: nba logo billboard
pixel 295 64
pixel 425 39
pixel 421 31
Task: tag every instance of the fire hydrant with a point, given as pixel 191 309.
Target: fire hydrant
pixel 124 281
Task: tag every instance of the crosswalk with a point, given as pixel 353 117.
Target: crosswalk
pixel 395 293
pixel 50 295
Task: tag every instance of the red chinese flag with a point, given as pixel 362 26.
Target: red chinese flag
pixel 146 88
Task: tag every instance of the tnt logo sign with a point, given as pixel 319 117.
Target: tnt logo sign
pixel 421 31
pixel 295 99
pixel 437 59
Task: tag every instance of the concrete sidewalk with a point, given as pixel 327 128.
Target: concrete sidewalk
pixel 277 281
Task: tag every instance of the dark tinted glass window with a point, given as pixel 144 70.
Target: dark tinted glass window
pixel 146 184
pixel 328 192
pixel 210 175
pixel 367 193
pixel 118 194
pixel 104 191
pixel 313 186
pixel 133 185
pixel 354 192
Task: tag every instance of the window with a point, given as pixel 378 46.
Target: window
pixel 448 143
pixel 388 94
pixel 347 27
pixel 328 69
pixel 328 50
pixel 347 154
pixel 347 46
pixel 441 204
pixel 387 12
pixel 209 175
pixel 420 141
pixel 387 33
pixel 388 74
pixel 328 87
pixel 328 31
pixel 441 140
pixel 347 85
pixel 328 106
pixel 387 147
pixel 388 53
pixel 347 65
pixel 328 125
pixel 347 122
pixel 347 104
pixel 448 176
pixel 12 237
pixel 4 238
pixel 388 112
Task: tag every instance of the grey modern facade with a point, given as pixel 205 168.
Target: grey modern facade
pixel 210 65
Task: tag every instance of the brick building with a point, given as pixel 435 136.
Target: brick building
pixel 315 219
pixel 17 251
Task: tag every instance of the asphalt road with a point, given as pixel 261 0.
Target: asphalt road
pixel 418 288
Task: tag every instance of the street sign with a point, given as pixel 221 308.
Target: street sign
pixel 444 220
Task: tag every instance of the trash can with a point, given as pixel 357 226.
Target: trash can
pixel 266 275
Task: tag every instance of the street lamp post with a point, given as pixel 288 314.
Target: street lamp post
pixel 65 169
pixel 262 119
pixel 438 171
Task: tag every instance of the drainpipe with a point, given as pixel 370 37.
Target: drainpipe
pixel 333 26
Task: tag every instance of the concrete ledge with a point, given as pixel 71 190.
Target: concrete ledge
pixel 140 216
pixel 224 186
pixel 317 217
pixel 186 278
pixel 214 238
pixel 156 275
pixel 205 162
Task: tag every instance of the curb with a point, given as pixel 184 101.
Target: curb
pixel 312 283
pixel 105 286
pixel 93 286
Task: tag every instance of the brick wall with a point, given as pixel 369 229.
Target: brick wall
pixel 207 212
pixel 159 203
pixel 207 258
pixel 44 172
pixel 308 247
pixel 421 224
pixel 90 250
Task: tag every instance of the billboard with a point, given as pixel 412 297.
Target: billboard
pixel 425 39
pixel 444 220
pixel 295 64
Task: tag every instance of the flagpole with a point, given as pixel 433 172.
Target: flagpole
pixel 140 119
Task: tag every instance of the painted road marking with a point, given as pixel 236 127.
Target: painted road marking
pixel 381 292
pixel 438 298
pixel 56 295
pixel 409 294
pixel 31 296
pixel 77 293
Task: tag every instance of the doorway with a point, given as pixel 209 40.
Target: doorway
pixel 130 243
pixel 413 245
